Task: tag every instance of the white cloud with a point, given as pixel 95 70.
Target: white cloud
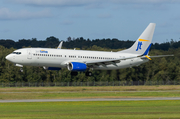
pixel 106 15
pixel 67 22
pixel 88 2
pixel 146 1
pixel 5 30
pixel 6 14
pixel 166 25
pixel 79 16
pixel 54 2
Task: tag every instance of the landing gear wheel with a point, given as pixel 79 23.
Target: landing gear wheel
pixel 88 73
pixel 21 70
pixel 74 73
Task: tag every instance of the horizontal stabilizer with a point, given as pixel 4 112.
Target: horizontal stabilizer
pixel 161 56
pixel 149 57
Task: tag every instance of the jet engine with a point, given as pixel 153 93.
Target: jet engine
pixel 76 66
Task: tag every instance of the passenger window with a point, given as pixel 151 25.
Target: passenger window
pixel 18 53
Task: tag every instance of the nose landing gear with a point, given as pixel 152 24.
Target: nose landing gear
pixel 21 70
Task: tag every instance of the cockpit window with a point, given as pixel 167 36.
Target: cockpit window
pixel 18 53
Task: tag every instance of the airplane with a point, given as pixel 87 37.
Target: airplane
pixel 83 60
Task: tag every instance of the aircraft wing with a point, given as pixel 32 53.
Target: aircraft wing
pixel 114 61
pixel 107 62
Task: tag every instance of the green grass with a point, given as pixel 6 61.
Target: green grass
pixel 89 92
pixel 92 110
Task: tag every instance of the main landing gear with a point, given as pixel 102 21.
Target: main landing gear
pixel 88 73
pixel 75 73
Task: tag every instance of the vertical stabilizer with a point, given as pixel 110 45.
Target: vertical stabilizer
pixel 143 43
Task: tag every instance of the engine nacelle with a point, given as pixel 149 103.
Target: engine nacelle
pixel 52 68
pixel 76 66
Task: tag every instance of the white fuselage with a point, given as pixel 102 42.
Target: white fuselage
pixel 60 57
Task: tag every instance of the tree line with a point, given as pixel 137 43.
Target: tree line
pixel 159 69
pixel 52 42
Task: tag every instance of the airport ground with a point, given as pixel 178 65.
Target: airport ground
pixel 141 109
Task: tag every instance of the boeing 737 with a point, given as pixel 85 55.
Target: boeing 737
pixel 81 60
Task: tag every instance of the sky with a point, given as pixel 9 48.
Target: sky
pixel 93 19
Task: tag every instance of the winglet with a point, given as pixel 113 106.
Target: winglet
pixel 60 45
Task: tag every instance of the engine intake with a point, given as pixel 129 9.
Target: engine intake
pixel 76 66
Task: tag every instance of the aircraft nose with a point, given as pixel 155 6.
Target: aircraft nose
pixel 8 57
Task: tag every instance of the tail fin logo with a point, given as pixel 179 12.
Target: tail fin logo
pixel 140 44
